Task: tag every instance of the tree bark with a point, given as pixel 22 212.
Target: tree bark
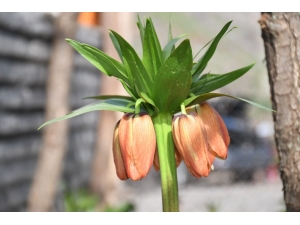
pixel 281 35
pixel 43 190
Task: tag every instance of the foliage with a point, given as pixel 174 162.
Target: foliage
pixel 83 201
pixel 162 79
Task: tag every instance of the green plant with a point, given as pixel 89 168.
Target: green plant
pixel 80 201
pixel 161 84
pixel 84 201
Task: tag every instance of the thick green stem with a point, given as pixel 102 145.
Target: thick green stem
pixel 167 163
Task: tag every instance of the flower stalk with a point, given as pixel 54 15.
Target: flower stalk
pixel 166 154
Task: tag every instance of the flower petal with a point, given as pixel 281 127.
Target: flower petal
pixel 213 130
pixel 224 130
pixel 144 143
pixel 191 143
pixel 126 139
pixel 118 158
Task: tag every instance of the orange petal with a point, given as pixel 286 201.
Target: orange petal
pixel 224 130
pixel 144 143
pixel 118 158
pixel 190 142
pixel 126 140
pixel 210 156
pixel 178 157
pixel 213 130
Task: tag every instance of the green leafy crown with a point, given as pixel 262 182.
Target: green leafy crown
pixel 162 79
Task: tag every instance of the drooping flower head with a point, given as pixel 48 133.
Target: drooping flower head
pixel 200 136
pixel 215 128
pixel 191 141
pixel 135 137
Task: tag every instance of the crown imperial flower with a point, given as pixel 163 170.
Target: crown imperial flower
pixel 135 137
pixel 217 134
pixel 191 141
pixel 118 157
pixel 159 83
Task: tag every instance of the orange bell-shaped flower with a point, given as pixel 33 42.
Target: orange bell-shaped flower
pixel 191 141
pixel 118 157
pixel 137 143
pixel 215 128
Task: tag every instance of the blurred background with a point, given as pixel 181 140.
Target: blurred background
pixel 69 167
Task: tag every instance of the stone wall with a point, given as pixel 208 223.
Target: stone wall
pixel 25 47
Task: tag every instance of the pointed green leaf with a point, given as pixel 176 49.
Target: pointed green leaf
pixel 195 77
pixel 149 101
pixel 230 30
pixel 204 97
pixel 141 28
pixel 129 90
pixel 157 43
pixel 170 36
pixel 136 72
pixel 211 82
pixel 116 45
pixel 113 104
pixel 169 48
pixel 104 97
pixel 151 50
pixel 173 79
pixel 203 48
pixel 201 64
pixel 146 98
pixel 99 59
pixel 204 79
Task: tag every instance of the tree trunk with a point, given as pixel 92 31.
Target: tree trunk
pixel 281 35
pixel 54 145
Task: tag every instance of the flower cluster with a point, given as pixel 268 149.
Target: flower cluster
pixel 199 137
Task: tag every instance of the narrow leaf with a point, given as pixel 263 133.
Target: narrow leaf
pixel 141 28
pixel 170 36
pixel 104 97
pixel 136 72
pixel 151 50
pixel 210 51
pixel 204 97
pixel 196 76
pixel 99 59
pixel 116 45
pixel 204 79
pixel 113 104
pixel 203 48
pixel 212 82
pixel 129 90
pixel 169 48
pixel 149 101
pixel 146 98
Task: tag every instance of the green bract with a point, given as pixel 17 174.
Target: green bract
pixel 162 79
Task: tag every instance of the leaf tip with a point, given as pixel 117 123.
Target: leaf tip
pixel 41 126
